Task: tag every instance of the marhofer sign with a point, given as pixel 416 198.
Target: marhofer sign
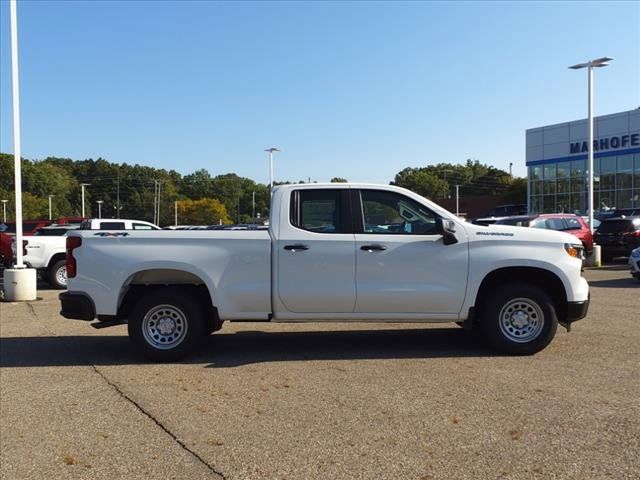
pixel 607 143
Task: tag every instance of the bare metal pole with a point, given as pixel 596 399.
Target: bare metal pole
pixel 457 200
pixel 15 83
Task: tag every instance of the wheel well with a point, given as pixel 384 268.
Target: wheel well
pixel 543 279
pixel 55 258
pixel 197 292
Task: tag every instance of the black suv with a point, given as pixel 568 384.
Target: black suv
pixel 618 236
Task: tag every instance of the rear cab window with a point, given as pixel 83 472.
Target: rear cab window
pixel 112 226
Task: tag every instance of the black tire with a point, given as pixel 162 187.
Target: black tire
pixel 178 336
pixel 537 325
pixel 54 273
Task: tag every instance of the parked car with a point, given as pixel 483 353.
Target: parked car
pixel 618 236
pixel 634 263
pixel 116 224
pixel 563 222
pixel 501 212
pixel 29 227
pixel 626 212
pixel 325 243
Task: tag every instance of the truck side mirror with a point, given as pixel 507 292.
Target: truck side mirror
pixel 447 229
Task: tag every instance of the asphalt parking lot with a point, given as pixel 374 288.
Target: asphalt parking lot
pixel 334 401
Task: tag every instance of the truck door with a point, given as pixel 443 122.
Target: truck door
pixel 403 266
pixel 316 253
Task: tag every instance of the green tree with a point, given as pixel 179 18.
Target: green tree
pixel 205 211
pixel 422 182
pixel 516 192
pixel 339 180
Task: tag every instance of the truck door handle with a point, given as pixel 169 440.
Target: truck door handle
pixel 297 246
pixel 371 248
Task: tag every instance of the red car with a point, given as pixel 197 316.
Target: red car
pixel 565 222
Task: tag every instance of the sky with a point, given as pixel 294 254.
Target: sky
pixel 356 90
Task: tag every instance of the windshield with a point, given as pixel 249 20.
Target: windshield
pixel 616 226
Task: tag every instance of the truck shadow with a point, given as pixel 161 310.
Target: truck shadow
pixel 224 350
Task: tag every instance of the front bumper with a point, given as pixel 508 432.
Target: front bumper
pixel 77 306
pixel 577 310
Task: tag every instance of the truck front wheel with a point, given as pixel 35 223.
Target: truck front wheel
pixel 166 324
pixel 519 319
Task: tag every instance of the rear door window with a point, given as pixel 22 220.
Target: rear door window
pixel 142 226
pixel 318 210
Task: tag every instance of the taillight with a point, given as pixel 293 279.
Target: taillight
pixel 72 243
pixel 632 234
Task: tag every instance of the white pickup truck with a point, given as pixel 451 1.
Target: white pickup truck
pixel 335 252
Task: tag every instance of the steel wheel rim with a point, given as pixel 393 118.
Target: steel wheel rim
pixel 164 327
pixel 521 320
pixel 61 275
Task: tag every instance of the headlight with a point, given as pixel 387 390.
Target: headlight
pixel 575 251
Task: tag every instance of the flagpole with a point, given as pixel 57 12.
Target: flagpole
pixel 19 282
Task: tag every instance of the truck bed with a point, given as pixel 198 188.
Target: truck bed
pixel 234 265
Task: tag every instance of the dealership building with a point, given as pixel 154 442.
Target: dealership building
pixel 557 164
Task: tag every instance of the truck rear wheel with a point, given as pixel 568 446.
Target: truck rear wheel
pixel 166 324
pixel 57 275
pixel 519 319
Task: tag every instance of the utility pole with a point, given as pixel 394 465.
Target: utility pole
pixel 253 209
pixel 4 211
pixel 118 194
pixel 457 200
pixel 50 196
pixel 82 185
pixel 159 193
pixel 175 213
pixel 510 171
pixel 99 202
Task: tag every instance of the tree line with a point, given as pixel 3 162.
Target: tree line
pixel 202 198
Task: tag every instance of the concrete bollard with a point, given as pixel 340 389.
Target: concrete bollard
pixel 595 259
pixel 20 284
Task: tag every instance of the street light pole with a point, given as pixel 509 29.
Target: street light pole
pixel 590 65
pixel 175 213
pixel 99 202
pixel 271 150
pixel 50 197
pixel 4 211
pixel 457 200
pixel 82 185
